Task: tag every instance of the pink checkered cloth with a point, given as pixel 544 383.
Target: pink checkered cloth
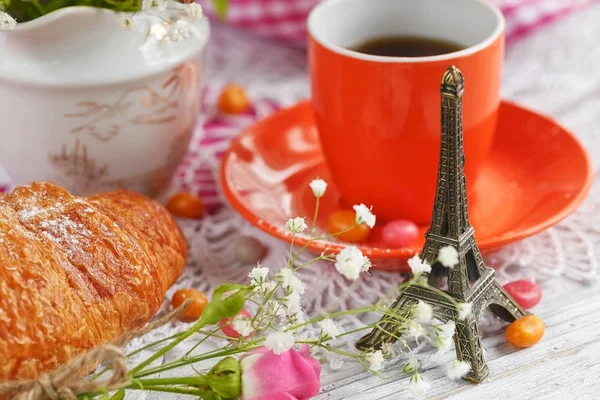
pixel 286 19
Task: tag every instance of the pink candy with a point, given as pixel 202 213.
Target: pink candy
pixel 399 233
pixel 525 292
pixel 227 327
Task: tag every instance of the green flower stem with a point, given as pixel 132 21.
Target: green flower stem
pixel 438 291
pixel 109 367
pixel 195 346
pixel 195 328
pixel 333 315
pixel 364 328
pixel 303 248
pixel 191 360
pixel 299 267
pixel 338 234
pixel 190 381
pixel 314 222
pixel 291 250
pixel 265 301
pixel 340 352
pixel 174 336
pixel 171 389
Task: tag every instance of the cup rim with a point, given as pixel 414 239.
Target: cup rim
pixel 312 31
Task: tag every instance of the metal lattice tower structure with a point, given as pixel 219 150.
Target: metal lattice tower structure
pixel 471 280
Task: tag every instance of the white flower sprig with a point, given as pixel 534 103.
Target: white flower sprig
pixel 296 225
pixel 279 342
pixel 464 310
pixel 350 262
pixel 448 256
pixel 422 312
pixel 258 275
pixel 364 215
pixel 458 369
pixel 375 360
pixel 329 329
pixel 418 266
pixel 274 318
pixel 318 186
pixel 7 23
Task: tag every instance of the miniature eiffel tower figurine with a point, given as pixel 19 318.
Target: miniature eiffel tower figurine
pixel 471 280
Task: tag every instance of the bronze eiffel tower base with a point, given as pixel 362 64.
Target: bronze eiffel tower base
pixel 485 292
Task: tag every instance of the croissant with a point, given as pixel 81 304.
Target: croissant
pixel 77 272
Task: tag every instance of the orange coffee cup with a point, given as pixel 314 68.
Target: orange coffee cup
pixel 379 117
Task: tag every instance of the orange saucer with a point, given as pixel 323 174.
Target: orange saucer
pixel 537 174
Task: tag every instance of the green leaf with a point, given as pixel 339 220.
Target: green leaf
pixel 221 7
pixel 229 306
pixel 225 378
pixel 119 395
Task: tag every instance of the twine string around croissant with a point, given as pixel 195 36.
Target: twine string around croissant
pixel 59 384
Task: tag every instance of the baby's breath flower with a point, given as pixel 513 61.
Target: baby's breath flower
pixel 258 275
pixel 418 384
pixel 291 282
pixel 336 363
pixel 7 23
pixel 443 343
pixel 242 325
pixel 273 308
pixel 446 330
pixel 318 187
pixel 458 369
pixel 292 303
pixel 279 342
pixel 329 329
pixel 375 360
pixel 448 256
pixel 443 335
pixel 296 225
pixel 194 11
pixel 350 262
pixel 422 312
pixel 411 367
pixel 464 310
pixel 366 264
pixel 268 287
pixel 388 350
pixel 415 330
pixel 418 266
pixel 158 31
pixel 364 215
pixel 181 30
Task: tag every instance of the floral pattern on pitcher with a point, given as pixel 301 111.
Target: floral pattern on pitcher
pixel 104 121
pixel 173 104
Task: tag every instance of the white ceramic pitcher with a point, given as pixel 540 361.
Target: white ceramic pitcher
pixel 92 107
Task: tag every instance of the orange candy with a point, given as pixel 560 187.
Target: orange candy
pixel 343 220
pixel 195 309
pixel 525 331
pixel 186 205
pixel 233 100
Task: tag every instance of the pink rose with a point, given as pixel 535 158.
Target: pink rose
pixel 292 375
